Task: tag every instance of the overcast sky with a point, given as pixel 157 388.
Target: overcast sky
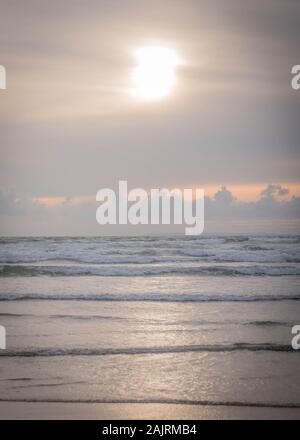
pixel 69 125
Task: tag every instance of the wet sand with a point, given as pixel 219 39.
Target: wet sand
pixel 108 411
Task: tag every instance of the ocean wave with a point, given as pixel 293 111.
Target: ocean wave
pixel 140 257
pixel 239 346
pixel 145 250
pixel 195 402
pixel 153 297
pixel 256 253
pixel 147 270
pixel 267 323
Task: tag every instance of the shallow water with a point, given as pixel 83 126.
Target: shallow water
pixel 186 320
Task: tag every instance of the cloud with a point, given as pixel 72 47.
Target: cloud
pixel 13 205
pixel 224 196
pixel 269 206
pixel 22 215
pixel 274 190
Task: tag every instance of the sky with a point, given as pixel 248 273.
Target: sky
pixel 69 124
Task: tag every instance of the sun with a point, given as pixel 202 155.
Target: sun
pixel 154 76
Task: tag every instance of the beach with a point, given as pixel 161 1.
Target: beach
pixel 133 411
pixel 150 327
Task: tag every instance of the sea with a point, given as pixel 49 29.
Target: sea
pixel 203 320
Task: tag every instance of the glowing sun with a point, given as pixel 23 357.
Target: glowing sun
pixel 154 76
